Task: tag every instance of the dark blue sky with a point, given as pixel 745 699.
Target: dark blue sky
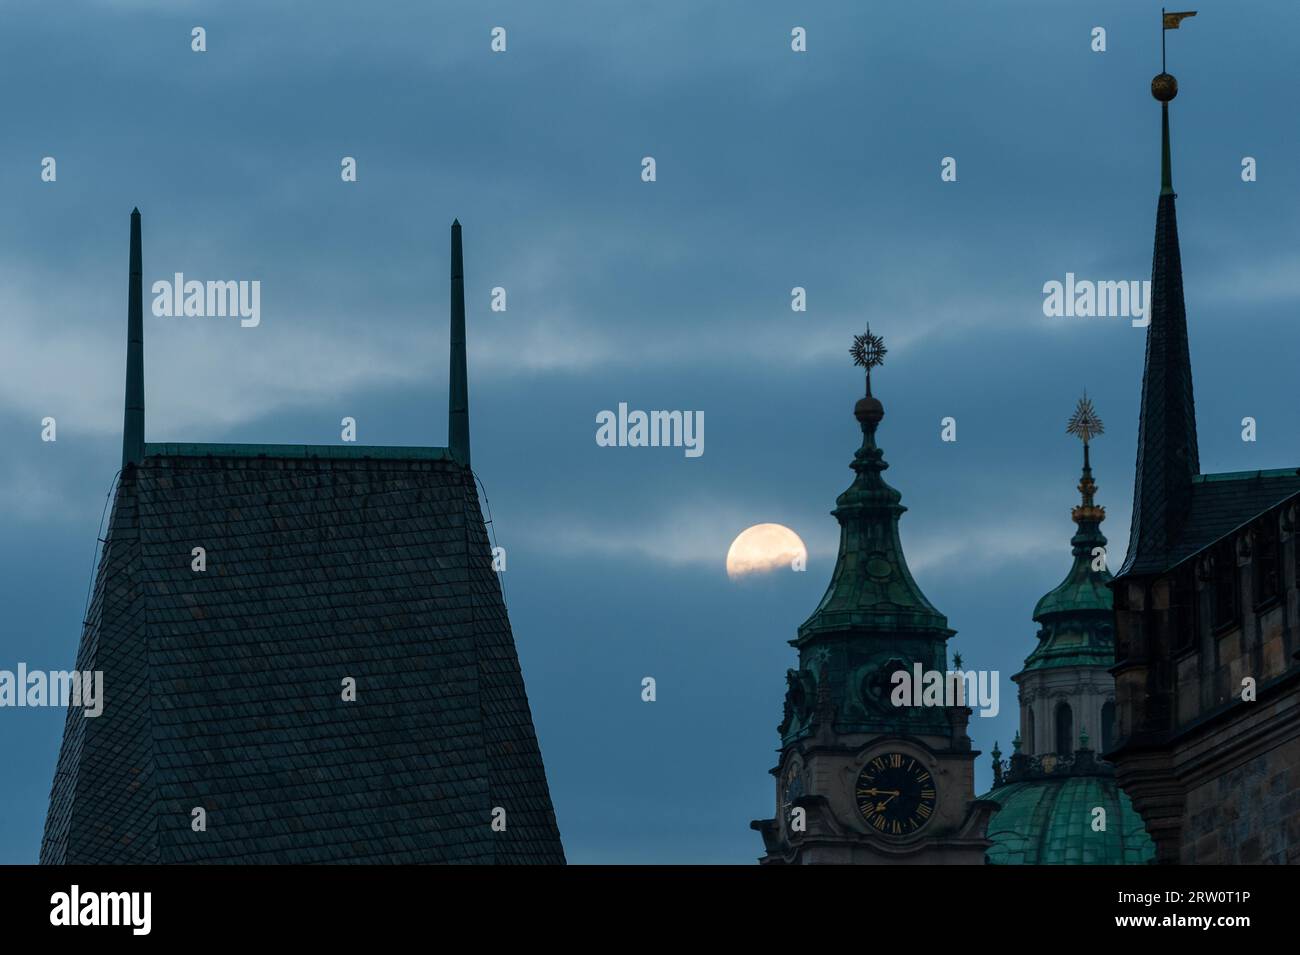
pixel 775 169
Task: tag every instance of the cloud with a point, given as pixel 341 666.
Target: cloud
pixel 38 496
pixel 695 535
pixel 698 535
pixel 66 357
pixel 65 347
pixel 1273 280
pixel 984 547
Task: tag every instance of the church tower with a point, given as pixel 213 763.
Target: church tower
pixel 1056 782
pixel 861 780
pixel 1207 608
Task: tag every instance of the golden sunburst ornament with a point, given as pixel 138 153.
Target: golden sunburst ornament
pixel 1084 423
pixel 868 352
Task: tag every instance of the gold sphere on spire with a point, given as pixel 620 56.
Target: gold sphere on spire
pixel 1164 87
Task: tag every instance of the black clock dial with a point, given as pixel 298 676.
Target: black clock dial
pixel 896 794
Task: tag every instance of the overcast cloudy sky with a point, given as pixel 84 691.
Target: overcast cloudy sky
pixel 774 170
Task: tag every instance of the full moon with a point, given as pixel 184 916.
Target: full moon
pixel 762 548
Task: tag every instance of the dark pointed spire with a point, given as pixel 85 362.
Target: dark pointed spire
pixel 133 419
pixel 1168 457
pixel 458 398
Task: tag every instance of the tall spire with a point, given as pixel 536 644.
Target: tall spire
pixel 1167 457
pixel 458 398
pixel 133 419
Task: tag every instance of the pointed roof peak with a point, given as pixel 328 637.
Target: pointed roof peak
pixel 458 378
pixel 133 411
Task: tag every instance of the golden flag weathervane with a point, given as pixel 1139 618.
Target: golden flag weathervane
pixel 1170 21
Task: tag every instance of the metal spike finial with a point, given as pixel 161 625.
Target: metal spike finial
pixel 868 352
pixel 458 379
pixel 133 416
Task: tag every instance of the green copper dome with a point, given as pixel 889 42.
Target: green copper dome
pixel 1050 822
pixel 1083 588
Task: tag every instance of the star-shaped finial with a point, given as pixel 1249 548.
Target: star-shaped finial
pixel 868 352
pixel 1084 423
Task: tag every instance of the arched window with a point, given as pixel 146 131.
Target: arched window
pixel 1028 746
pixel 1064 729
pixel 1107 726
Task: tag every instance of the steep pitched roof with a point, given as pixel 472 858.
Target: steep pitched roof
pixel 1222 503
pixel 223 688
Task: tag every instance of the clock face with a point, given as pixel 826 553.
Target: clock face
pixel 896 794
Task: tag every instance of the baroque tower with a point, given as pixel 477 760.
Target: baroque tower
pixel 1056 782
pixel 860 779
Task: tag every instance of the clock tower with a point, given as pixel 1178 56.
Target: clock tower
pixel 860 779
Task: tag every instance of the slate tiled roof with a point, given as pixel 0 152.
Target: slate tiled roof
pixel 223 689
pixel 1222 503
pixel 1218 505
